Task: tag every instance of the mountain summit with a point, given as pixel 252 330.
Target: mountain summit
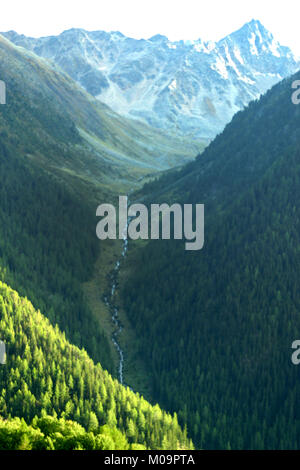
pixel 190 87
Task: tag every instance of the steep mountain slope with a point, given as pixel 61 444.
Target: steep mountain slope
pixel 45 374
pixel 76 134
pixel 216 326
pixel 189 87
pixel 47 237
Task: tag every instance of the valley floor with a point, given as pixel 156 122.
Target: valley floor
pixel 136 375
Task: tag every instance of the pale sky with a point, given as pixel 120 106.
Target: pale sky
pixel 185 19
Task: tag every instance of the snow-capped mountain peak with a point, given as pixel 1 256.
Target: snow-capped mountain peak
pixel 190 87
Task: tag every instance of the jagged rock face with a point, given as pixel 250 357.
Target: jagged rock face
pixel 190 87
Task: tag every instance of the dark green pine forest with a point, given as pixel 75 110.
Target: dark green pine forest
pixel 65 400
pixel 216 326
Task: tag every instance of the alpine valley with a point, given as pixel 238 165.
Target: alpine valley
pixel 141 344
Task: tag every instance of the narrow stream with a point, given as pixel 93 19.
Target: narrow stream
pixel 110 301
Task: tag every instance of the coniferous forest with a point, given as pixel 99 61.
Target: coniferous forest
pixel 208 333
pixel 53 385
pixel 217 326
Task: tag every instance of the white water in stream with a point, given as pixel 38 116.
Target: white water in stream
pixel 114 310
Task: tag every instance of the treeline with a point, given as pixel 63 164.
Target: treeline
pixel 46 375
pixel 216 326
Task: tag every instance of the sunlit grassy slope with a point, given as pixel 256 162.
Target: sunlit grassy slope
pixel 48 116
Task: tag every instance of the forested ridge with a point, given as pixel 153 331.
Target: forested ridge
pixel 216 326
pixel 47 376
